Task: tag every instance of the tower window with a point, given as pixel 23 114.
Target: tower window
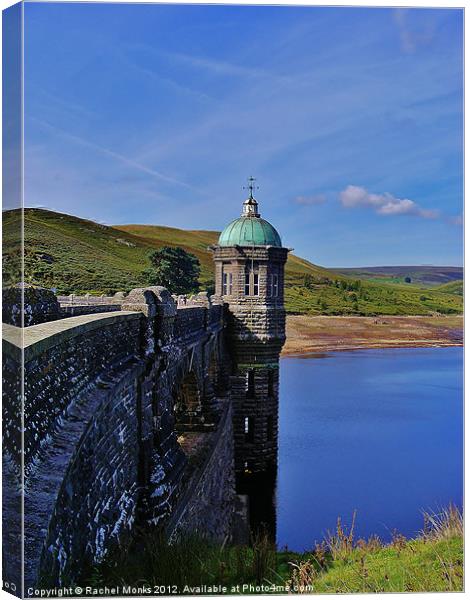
pixel 250 384
pixel 249 428
pixel 275 284
pixel 255 284
pixel 252 281
pixel 227 284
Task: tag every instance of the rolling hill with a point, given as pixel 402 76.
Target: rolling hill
pixel 77 255
pixel 453 287
pixel 424 275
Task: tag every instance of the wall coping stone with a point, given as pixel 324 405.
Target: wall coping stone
pixel 36 339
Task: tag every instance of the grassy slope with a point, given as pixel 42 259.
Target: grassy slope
pixel 198 241
pixel 413 566
pixel 423 275
pixel 325 295
pixel 453 287
pixel 76 255
pixel 419 565
pixel 431 562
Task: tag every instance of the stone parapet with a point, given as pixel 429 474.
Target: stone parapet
pixel 60 359
pixel 25 305
pixel 105 397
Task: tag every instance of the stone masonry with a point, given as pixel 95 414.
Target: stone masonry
pixel 140 409
pixel 256 328
pixel 108 398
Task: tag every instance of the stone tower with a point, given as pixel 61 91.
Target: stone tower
pixel 249 275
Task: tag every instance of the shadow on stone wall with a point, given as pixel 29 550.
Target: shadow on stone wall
pixel 101 424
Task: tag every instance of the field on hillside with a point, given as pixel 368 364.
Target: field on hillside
pixel 422 275
pixel 70 254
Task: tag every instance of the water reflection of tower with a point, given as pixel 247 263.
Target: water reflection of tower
pixel 249 260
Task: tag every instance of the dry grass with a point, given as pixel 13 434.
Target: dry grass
pixel 306 334
pixel 446 524
pixel 431 562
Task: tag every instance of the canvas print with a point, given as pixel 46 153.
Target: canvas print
pixel 232 299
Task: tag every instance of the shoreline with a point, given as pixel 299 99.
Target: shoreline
pixel 310 335
pixel 311 351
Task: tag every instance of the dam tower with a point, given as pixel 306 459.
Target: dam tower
pixel 249 275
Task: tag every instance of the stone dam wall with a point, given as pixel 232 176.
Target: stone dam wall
pixel 127 421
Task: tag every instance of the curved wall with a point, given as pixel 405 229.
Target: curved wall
pixel 101 442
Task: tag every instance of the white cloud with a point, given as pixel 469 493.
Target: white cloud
pixel 313 200
pixel 383 204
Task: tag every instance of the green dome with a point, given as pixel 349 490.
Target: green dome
pixel 250 231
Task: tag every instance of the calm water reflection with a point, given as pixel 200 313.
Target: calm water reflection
pixel 379 431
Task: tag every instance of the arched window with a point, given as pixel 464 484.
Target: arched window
pixel 273 287
pixel 227 284
pixel 275 284
pixel 252 280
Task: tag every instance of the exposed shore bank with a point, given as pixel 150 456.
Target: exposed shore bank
pixel 312 334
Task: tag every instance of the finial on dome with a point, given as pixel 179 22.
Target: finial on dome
pixel 250 206
pixel 251 186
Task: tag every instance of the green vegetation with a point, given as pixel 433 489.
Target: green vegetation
pixel 453 287
pixel 431 562
pixel 347 297
pixel 422 275
pixel 80 256
pixel 175 269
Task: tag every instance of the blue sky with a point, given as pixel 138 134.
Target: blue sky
pixel 350 118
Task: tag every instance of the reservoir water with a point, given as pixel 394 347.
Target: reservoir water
pixel 377 431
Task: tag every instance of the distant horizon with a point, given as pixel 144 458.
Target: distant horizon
pixel 341 266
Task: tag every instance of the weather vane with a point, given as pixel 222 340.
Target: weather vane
pixel 251 185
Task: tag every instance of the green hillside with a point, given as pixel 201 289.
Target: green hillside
pixel 453 287
pixel 422 275
pixel 76 255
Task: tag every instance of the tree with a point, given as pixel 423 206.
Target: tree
pixel 175 269
pixel 210 287
pixel 309 281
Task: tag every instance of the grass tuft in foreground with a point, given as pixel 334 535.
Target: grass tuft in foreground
pixel 432 562
pixel 340 564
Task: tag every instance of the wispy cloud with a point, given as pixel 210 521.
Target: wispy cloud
pixel 174 85
pixel 59 103
pixel 107 152
pixel 410 38
pixel 384 204
pixel 313 200
pixel 225 68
